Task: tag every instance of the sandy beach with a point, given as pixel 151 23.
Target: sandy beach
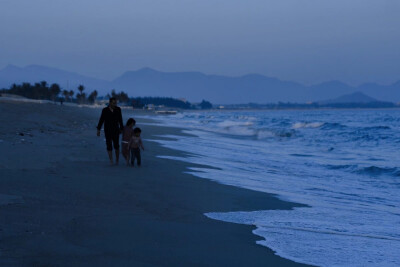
pixel 62 204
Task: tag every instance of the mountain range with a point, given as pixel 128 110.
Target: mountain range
pixel 356 97
pixel 195 86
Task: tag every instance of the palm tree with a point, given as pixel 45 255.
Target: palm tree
pixel 43 84
pixel 54 91
pixel 92 97
pixel 113 93
pixel 81 88
pixel 123 97
pixel 71 95
pixel 65 94
pixel 81 97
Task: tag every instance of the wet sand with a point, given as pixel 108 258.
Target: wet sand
pixel 62 204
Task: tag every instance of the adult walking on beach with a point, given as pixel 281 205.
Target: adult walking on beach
pixel 111 116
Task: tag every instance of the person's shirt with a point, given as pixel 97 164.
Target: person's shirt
pixel 112 120
pixel 135 142
pixel 127 134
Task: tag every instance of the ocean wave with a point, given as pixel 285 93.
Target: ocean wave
pixel 229 123
pixel 301 155
pixel 380 127
pixel 338 167
pixel 249 118
pixel 370 170
pixel 264 134
pixel 332 125
pixel 368 137
pixel 323 125
pixel 375 170
pixel 259 134
pixel 236 130
pixel 284 133
pixel 245 128
pixel 299 125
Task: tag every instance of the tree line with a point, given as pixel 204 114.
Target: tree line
pixel 42 90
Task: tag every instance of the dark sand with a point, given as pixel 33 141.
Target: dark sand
pixel 61 204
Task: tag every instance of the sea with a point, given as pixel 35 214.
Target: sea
pixel 343 164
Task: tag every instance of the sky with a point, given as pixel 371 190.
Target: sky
pixel 308 41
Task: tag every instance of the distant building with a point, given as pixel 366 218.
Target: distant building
pixel 102 102
pixel 149 106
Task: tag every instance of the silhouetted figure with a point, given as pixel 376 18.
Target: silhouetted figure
pixel 112 118
pixel 127 134
pixel 135 144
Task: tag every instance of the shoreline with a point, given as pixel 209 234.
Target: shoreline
pixel 71 208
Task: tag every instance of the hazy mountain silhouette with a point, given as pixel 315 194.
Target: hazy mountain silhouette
pixel 330 89
pixel 382 92
pixel 218 89
pixel 356 97
pixel 35 73
pixel 196 86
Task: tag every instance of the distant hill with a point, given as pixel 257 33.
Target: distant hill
pixel 356 97
pixel 196 86
pixel 355 100
pixel 253 88
pixel 382 92
pixel 35 73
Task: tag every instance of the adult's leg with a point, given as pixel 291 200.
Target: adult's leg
pixel 116 156
pixel 110 156
pixel 116 147
pixel 109 148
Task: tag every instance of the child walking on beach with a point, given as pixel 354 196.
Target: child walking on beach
pixel 135 144
pixel 126 137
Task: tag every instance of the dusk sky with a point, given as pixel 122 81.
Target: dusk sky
pixel 307 41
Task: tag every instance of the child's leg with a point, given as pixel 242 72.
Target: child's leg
pixel 127 153
pixel 139 158
pixel 132 156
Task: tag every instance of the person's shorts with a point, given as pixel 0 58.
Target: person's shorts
pixel 112 139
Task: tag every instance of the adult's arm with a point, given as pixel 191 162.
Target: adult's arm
pixel 130 143
pixel 101 120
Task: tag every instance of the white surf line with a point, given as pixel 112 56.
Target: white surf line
pixel 324 232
